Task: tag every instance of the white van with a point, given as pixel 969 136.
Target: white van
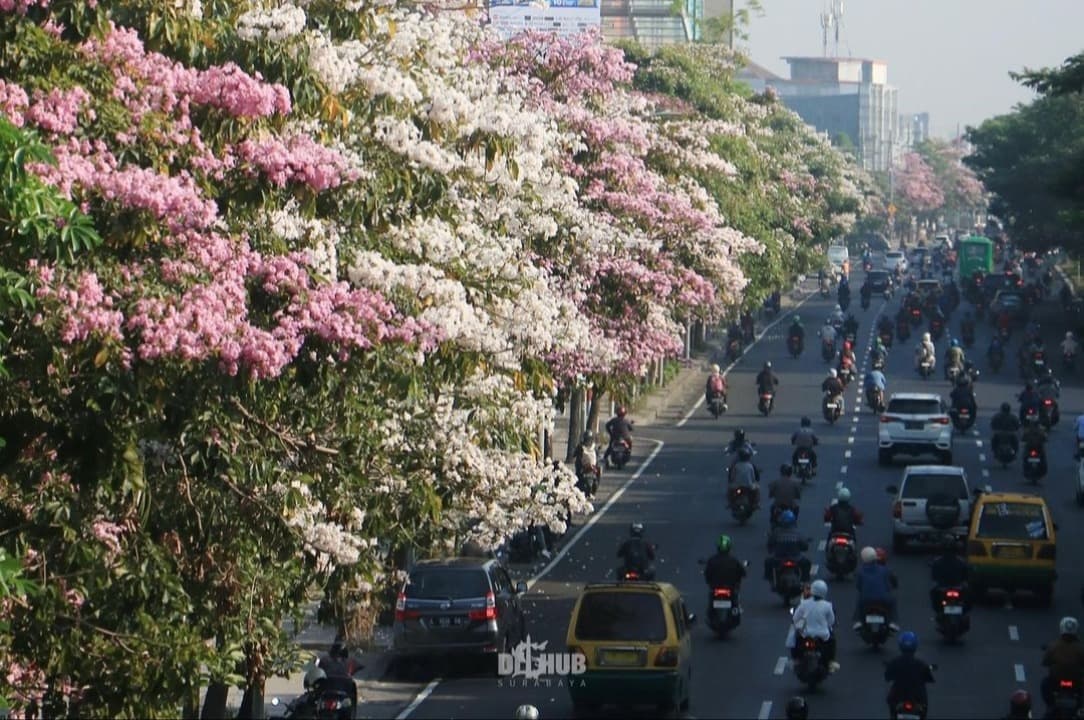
pixel 837 255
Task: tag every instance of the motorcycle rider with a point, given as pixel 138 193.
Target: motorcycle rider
pixel 833 388
pixel 636 553
pixel 836 317
pixel 723 569
pixel 733 336
pixel 842 516
pixel 815 618
pixel 954 357
pixel 878 355
pixel 844 295
pixel 908 674
pixel 797 331
pixel 1034 436
pixel 747 327
pixel 619 428
pixel 737 443
pixel 967 326
pixel 925 351
pixel 785 543
pixel 1029 400
pixel 875 585
pixel 847 354
pixel 715 386
pixel 805 438
pixel 963 394
pixel 828 333
pixel 1019 705
pixel 1069 345
pixel 766 379
pixel 850 326
pixel 1065 659
pixel 866 292
pixel 797 708
pixel 332 672
pixel 884 326
pixel 949 570
pixel 526 712
pixel 785 492
pixel 1005 425
pixel 1046 385
pixel 586 459
pixel 875 379
pixel 745 474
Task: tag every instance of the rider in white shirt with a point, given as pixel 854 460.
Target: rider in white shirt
pixel 1068 345
pixel 815 617
pixel 925 349
pixel 828 333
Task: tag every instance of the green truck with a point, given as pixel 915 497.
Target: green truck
pixel 974 253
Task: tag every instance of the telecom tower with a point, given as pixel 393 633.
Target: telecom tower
pixel 831 19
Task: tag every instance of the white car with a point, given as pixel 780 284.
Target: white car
pixel 915 424
pixel 837 255
pixel 932 501
pixel 894 259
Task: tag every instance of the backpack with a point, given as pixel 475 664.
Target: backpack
pixel 716 383
pixel 635 557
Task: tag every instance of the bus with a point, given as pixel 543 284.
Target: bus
pixel 976 253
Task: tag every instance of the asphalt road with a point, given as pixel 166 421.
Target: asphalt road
pixel 680 497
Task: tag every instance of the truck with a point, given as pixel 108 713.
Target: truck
pixel 975 253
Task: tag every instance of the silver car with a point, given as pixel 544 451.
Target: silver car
pixel 931 502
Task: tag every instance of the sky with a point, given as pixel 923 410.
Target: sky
pixel 950 58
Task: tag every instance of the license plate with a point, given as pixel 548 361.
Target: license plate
pixel 1012 552
pixel 875 619
pixel 803 461
pixel 954 610
pixel 1033 461
pixel 914 425
pixel 625 658
pixel 964 412
pixel 1040 363
pixel 832 406
pixel 449 620
pixel 722 604
pixel 908 716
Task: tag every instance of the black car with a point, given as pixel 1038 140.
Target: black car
pixel 458 606
pixel 880 281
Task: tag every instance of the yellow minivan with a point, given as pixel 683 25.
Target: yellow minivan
pixel 636 639
pixel 1011 544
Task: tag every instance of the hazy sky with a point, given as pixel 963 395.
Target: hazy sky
pixel 950 58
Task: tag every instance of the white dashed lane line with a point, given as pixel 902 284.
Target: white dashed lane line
pixel 847 453
pixel 843 470
pixel 780 665
pixel 821 545
pixel 982 457
pixel 1018 669
pixel 765 710
pixel 1014 633
pixel 850 440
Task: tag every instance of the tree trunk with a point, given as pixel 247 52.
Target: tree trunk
pixel 595 410
pixel 214 703
pixel 252 704
pixel 190 708
pixel 575 422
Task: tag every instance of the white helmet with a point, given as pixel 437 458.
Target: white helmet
pixel 839 309
pixel 526 712
pixel 715 368
pixel 1069 335
pixel 844 495
pixel 868 555
pixel 832 372
pixel 819 588
pixel 925 337
pixel 1068 626
pixel 827 321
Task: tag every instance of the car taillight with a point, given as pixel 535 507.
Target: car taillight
pixel 490 611
pixel 331 704
pixel 941 420
pixel 789 564
pixel 897 510
pixel 1033 453
pixel 908 706
pixel 401 613
pixel 976 549
pixel 667 657
pixel 952 594
pixel 720 592
pixel 890 419
pixel 1065 684
pixel 1047 552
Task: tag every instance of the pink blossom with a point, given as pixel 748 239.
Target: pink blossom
pixel 13 102
pixel 58 111
pixel 21 6
pixel 86 309
pixel 297 158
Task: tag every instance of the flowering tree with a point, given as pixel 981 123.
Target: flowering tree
pixel 917 186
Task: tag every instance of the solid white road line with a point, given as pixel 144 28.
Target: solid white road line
pixel 1014 633
pixel 1018 669
pixel 780 665
pixel 419 699
pixel 728 368
pixel 765 710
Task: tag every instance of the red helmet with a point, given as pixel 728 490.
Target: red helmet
pixel 621 410
pixel 1020 701
pixel 882 556
pixel 846 344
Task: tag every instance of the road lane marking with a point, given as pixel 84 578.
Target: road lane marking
pixel 843 470
pixel 1014 633
pixel 821 545
pixel 813 569
pixel 780 665
pixel 765 710
pixel 978 443
pixel 982 457
pixel 1018 669
pixel 985 473
pixel 847 453
pixel 850 440
pixel 419 699
pixel 728 368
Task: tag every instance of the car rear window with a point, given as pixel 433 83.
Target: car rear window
pixel 1012 521
pixel 927 486
pixel 621 616
pixel 894 255
pixel 914 407
pixel 447 583
pixel 878 276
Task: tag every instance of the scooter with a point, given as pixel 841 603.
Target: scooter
pixel 909 710
pixel 733 349
pixel 953 619
pixel 962 417
pixel 875 399
pixel 620 453
pixel 794 346
pixel 840 555
pixel 1048 413
pixel 741 502
pixel 886 338
pixel 997 359
pixel 915 316
pixel 588 480
pixel 1004 451
pixel 1067 699
pixel 828 350
pixel 903 330
pixel 803 466
pixel 787 580
pixel 937 328
pixel 724 613
pixel 925 368
pixel 767 402
pixel 810 667
pixel 1034 464
pixel 832 408
pixel 874 629
pixel 717 405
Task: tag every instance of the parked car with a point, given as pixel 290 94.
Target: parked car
pixel 1012 544
pixel 913 424
pixel 931 501
pixel 636 638
pixel 458 606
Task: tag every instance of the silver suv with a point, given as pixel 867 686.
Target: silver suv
pixel 931 502
pixel 913 424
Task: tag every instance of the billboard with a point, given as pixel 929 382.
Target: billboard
pixel 563 17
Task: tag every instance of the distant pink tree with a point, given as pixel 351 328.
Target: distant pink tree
pixel 917 185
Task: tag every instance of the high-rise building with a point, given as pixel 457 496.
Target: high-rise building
pixel 659 22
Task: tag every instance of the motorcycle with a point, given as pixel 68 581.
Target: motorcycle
pixel 587 480
pixel 826 288
pixel 937 328
pixel 845 371
pixel 810 667
pixel 886 338
pixel 742 504
pixel 962 416
pixel 1068 361
pixel 968 333
pixel 909 710
pixel 840 555
pixel 832 408
pixel 1067 699
pixel 724 613
pixel 733 349
pixel 903 329
pixel 828 350
pixel 844 302
pixel 1004 451
pixel 953 619
pixel 925 368
pixel 874 629
pixel 717 405
pixel 803 468
pixel 875 399
pixel 767 402
pixel 794 346
pixel 878 361
pixel 952 372
pixel 1048 413
pixel 865 301
pixel 1003 334
pixel 915 315
pixel 787 581
pixel 620 453
pixel 1034 464
pixel 625 574
pixel 997 359
pixel 319 703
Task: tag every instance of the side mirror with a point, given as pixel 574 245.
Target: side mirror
pixel 521 588
pixel 690 619
pixel 745 563
pixel 892 490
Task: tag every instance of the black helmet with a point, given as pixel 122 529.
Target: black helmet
pixel 338 650
pixel 785 470
pixel 806 422
pixel 636 529
pixel 797 708
pixel 588 437
pixel 739 435
pixel 1006 407
pixel 744 454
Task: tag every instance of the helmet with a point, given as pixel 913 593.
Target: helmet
pixel 715 368
pixel 806 422
pixel 723 544
pixel 925 337
pixel 1006 407
pixel 1069 335
pixel 819 588
pixel 832 372
pixel 744 455
pixel 882 555
pixel 844 495
pixel 314 675
pixel 636 529
pixel 1020 703
pixel 768 365
pixel 868 555
pixel 1068 626
pixel 955 343
pixel 526 712
pixel 621 410
pixel 739 435
pixel 785 470
pixel 797 708
pixel 797 320
pixel 786 518
pixel 338 650
pixel 839 309
pixel 908 642
pixel 588 437
pixel 846 344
